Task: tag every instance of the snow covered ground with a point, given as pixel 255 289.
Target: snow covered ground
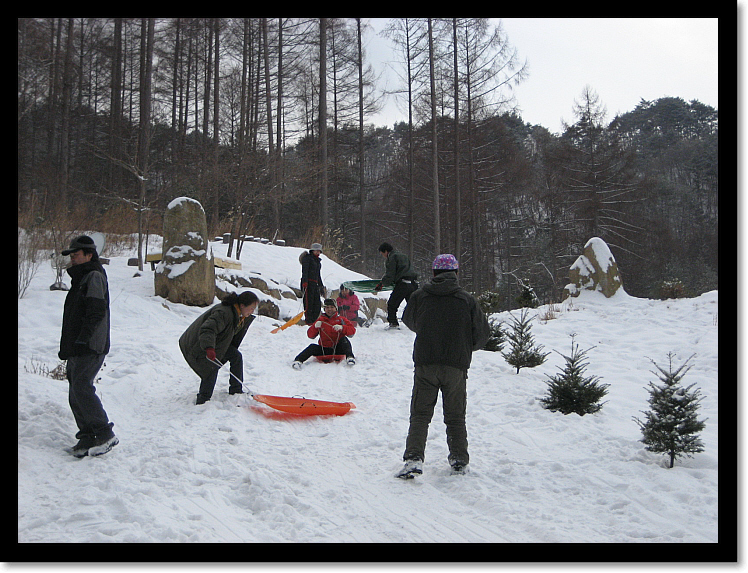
pixel 235 471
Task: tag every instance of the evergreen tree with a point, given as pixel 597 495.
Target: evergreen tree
pixel 571 391
pixel 528 298
pixel 671 425
pixel 496 341
pixel 524 352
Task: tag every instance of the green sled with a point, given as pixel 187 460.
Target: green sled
pixel 364 286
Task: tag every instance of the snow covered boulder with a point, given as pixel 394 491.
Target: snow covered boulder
pixel 186 274
pixel 595 269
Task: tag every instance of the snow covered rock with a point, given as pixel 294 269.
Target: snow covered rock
pixel 595 269
pixel 186 274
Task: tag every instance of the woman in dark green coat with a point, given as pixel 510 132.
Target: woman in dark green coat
pixel 216 335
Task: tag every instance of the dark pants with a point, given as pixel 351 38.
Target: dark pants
pixel 400 293
pixel 312 303
pixel 342 347
pixel 87 410
pixel 452 382
pixel 208 383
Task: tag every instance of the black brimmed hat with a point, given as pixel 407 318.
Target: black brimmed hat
pixel 82 242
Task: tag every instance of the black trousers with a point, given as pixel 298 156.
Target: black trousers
pixel 400 293
pixel 428 381
pixel 89 414
pixel 342 347
pixel 208 383
pixel 312 302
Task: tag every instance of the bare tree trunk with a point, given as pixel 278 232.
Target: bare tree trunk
pixel 411 183
pixel 67 87
pixel 434 146
pixel 458 198
pixel 216 84
pixel 115 117
pixel 323 120
pixel 146 70
pixel 475 227
pixel 279 176
pixel 362 192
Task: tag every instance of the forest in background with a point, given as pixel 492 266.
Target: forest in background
pixel 265 122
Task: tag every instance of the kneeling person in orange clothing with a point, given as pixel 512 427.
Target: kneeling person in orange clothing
pixel 333 331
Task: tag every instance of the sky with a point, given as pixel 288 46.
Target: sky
pixel 622 59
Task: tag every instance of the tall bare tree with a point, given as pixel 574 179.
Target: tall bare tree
pixel 434 142
pixel 144 138
pixel 323 121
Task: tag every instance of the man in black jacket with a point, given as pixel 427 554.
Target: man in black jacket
pixel 84 343
pixel 449 326
pixel 400 274
pixel 311 282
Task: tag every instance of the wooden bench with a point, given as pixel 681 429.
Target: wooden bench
pixel 226 263
pixel 155 258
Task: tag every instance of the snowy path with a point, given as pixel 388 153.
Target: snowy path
pixel 234 471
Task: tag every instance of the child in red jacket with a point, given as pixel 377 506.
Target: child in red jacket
pixel 348 305
pixel 333 331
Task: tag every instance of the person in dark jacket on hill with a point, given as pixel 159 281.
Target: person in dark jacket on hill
pixel 333 331
pixel 400 273
pixel 449 327
pixel 215 337
pixel 311 282
pixel 84 343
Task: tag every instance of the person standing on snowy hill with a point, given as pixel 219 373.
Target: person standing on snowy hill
pixel 84 343
pixel 311 282
pixel 215 337
pixel 348 305
pixel 397 272
pixel 449 327
pixel 333 331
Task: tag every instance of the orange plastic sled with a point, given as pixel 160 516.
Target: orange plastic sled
pixel 291 322
pixel 304 406
pixel 330 357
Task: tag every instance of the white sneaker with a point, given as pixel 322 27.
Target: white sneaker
pixel 103 447
pixel 410 469
pixel 392 327
pixel 459 468
pixel 350 361
pixel 296 365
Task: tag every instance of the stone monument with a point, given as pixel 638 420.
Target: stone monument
pixel 186 274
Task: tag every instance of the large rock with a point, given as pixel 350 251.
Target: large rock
pixel 595 269
pixel 186 274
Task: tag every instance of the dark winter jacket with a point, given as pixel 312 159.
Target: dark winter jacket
pixel 311 269
pixel 85 319
pixel 352 303
pixel 218 327
pixel 328 336
pixel 397 268
pixel 448 323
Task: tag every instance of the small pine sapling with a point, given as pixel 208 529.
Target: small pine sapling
pixel 671 426
pixel 527 298
pixel 496 340
pixel 572 391
pixel 524 352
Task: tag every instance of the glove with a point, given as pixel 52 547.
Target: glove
pixel 338 327
pixel 210 353
pixel 378 287
pixel 318 324
pixel 344 307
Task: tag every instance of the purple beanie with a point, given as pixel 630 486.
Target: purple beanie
pixel 445 263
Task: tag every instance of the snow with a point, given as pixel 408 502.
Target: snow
pixel 602 253
pixel 233 470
